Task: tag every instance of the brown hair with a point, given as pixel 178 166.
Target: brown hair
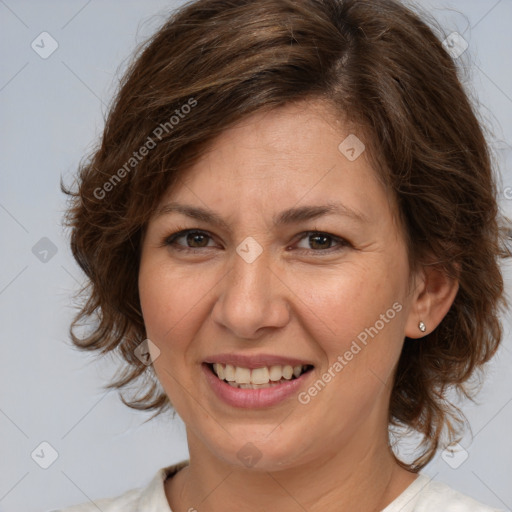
pixel 215 62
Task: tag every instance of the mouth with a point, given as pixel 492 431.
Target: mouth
pixel 257 378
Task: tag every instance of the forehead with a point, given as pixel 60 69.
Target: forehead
pixel 298 152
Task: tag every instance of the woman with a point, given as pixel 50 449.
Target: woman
pixel 291 235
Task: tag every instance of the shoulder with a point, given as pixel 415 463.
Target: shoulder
pixel 432 496
pixel 126 502
pixel 440 496
pixel 150 498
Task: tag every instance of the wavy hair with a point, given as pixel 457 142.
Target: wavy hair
pixel 377 62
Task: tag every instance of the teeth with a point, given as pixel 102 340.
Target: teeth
pixel 260 376
pixel 229 372
pixel 242 375
pixel 275 373
pixel 287 372
pixel 219 370
pixel 263 377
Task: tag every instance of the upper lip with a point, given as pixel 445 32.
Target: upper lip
pixel 255 361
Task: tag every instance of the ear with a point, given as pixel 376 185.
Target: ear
pixel 434 293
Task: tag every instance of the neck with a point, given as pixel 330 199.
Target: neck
pixel 361 476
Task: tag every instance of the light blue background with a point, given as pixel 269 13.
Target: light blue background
pixel 52 111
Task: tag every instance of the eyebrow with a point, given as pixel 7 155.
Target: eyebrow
pixel 286 217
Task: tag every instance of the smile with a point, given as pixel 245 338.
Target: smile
pixel 257 378
pixel 256 387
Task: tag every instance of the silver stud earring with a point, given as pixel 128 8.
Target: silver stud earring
pixel 422 327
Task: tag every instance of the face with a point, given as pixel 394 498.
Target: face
pixel 277 250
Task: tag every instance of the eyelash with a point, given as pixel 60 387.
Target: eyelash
pixel 170 240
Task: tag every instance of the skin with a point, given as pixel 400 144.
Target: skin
pixel 302 297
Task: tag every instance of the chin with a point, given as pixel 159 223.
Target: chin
pixel 260 448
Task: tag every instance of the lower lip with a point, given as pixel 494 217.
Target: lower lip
pixel 253 398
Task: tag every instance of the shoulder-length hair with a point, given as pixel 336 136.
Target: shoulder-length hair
pixel 213 63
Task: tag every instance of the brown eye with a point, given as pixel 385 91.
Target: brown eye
pixel 321 242
pixel 197 239
pixel 193 239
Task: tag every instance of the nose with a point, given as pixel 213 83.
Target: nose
pixel 252 299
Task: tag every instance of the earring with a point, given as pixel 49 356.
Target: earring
pixel 422 327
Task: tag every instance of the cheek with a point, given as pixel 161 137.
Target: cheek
pixel 356 314
pixel 163 301
pixel 171 304
pixel 344 302
pixel 174 303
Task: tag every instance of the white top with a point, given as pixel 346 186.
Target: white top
pixel 423 495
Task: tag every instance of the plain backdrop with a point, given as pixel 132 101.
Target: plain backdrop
pixel 52 112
